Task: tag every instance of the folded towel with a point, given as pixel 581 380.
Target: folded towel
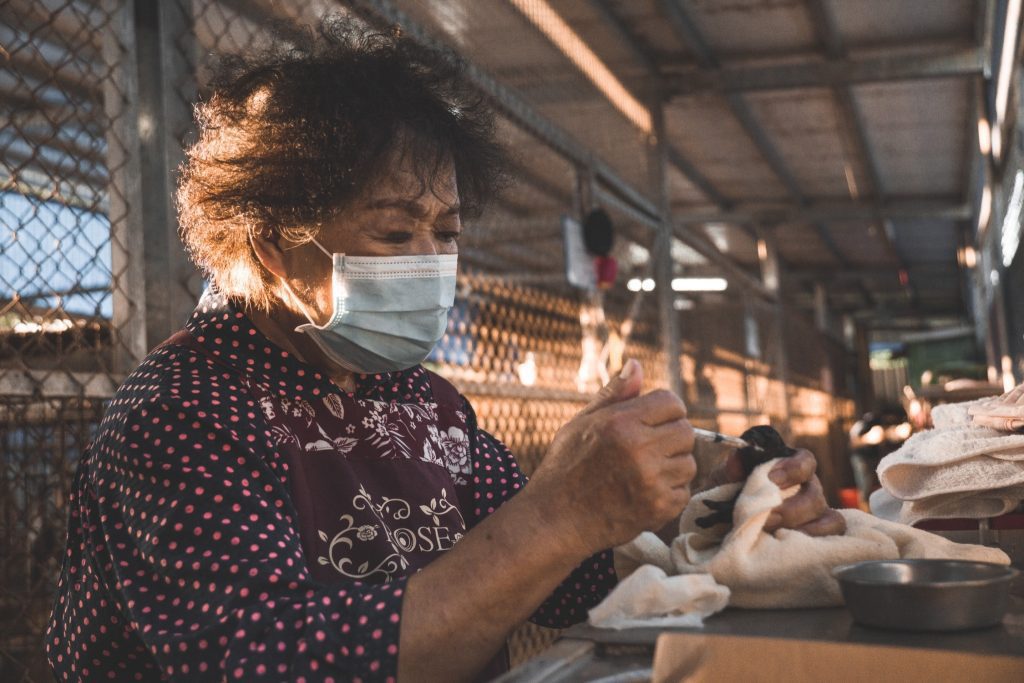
pixel 965 504
pixel 957 469
pixel 762 570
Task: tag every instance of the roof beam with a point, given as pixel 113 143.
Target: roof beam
pixel 691 36
pixel 675 156
pixel 826 27
pixel 831 274
pixel 939 208
pixel 896 65
pixel 686 28
pixel 641 52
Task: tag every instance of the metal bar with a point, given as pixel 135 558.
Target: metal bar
pixel 937 208
pixel 120 102
pixel 892 66
pixel 703 246
pixel 657 155
pixel 19 161
pixel 92 152
pixel 976 171
pixel 698 179
pixel 832 274
pixel 778 165
pixel 686 28
pixel 675 156
pixel 57 383
pixel 984 32
pixel 164 113
pixel 826 26
pixel 641 52
pixel 759 137
pixel 77 289
pixel 77 25
pixel 691 36
pixel 49 63
pixel 76 196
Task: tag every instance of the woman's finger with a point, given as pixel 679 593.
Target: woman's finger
pixel 794 470
pixel 800 509
pixel 671 438
pixel 679 470
pixel 830 523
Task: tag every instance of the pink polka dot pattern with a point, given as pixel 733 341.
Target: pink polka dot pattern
pixel 184 560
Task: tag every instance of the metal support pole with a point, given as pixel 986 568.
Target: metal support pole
pixel 782 362
pixel 146 99
pixel 120 103
pixel 166 90
pixel 821 313
pixel 657 149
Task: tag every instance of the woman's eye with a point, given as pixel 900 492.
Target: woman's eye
pixel 450 237
pixel 398 237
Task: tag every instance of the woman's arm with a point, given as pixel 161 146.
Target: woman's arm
pixel 619 467
pixel 496 479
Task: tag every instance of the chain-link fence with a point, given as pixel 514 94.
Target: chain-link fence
pixel 96 98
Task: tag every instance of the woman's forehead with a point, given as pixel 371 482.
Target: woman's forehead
pixel 404 187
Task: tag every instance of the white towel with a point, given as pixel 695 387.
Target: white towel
pixel 761 570
pixel 966 505
pixel 648 597
pixel 954 470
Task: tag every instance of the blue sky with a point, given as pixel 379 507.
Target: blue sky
pixel 48 248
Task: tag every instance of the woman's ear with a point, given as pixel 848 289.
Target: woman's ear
pixel 268 252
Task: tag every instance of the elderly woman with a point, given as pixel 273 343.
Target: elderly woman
pixel 281 491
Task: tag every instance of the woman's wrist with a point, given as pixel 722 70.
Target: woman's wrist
pixel 557 521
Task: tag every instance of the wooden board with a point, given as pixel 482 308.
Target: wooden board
pixel 698 658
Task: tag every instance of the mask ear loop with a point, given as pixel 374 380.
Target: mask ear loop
pixel 298 299
pixel 321 248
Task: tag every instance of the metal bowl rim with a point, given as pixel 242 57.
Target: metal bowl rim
pixel 1009 574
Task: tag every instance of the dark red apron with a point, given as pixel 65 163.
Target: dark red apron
pixel 379 487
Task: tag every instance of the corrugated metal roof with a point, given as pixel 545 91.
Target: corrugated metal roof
pixel 791 107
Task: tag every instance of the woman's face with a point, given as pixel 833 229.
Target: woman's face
pixel 397 217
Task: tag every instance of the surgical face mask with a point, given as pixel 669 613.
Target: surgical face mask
pixel 388 312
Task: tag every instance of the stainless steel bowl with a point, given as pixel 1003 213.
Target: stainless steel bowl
pixel 926 595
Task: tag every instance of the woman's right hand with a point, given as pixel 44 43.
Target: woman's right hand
pixel 621 466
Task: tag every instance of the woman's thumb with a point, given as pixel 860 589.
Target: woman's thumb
pixel 622 388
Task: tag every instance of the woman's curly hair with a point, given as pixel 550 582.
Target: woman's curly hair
pixel 291 135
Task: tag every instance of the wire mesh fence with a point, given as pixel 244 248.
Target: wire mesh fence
pixel 96 98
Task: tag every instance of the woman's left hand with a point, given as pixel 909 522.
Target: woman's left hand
pixel 807 510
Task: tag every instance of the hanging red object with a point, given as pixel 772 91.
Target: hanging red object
pixel 606 268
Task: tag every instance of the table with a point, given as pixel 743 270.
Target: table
pixel 587 653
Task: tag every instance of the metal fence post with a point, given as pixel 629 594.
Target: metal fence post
pixel 120 103
pixel 657 150
pixel 166 90
pixel 147 109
